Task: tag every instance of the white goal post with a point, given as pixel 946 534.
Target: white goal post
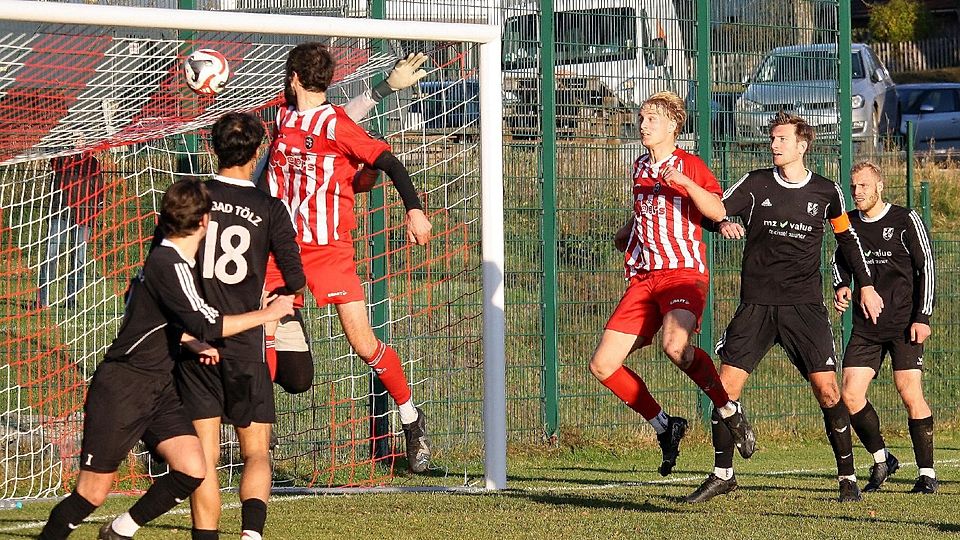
pixel 490 137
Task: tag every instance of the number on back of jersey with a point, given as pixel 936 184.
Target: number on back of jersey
pixel 231 266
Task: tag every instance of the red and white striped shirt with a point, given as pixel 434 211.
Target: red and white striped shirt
pixel 313 158
pixel 666 230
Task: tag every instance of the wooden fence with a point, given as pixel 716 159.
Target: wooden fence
pixel 936 53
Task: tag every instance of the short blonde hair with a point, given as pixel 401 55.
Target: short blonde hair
pixel 867 166
pixel 671 105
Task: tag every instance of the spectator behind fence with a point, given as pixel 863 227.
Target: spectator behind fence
pixel 76 201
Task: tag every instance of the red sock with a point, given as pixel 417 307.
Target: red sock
pixel 630 388
pixel 271 357
pixel 704 373
pixel 386 364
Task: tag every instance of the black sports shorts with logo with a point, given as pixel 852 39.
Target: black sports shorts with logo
pixel 125 405
pixel 866 351
pixel 238 391
pixel 802 330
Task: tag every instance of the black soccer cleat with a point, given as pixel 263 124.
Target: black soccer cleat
pixel 670 443
pixel 879 472
pixel 742 431
pixel 711 487
pixel 849 492
pixel 107 533
pixel 926 485
pixel 418 444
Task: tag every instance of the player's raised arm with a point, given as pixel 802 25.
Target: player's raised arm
pixel 418 226
pixel 406 73
pixel 707 201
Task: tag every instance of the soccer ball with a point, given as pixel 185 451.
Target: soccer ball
pixel 206 71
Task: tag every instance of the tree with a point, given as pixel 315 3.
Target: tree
pixel 899 20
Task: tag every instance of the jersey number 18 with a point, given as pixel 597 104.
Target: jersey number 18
pixel 234 242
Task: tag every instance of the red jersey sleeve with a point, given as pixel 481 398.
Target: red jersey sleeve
pixel 352 141
pixel 697 170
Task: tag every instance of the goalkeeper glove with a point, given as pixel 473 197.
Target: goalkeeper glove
pixel 405 74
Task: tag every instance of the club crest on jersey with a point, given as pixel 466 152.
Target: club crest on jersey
pixel 656 188
pixel 887 233
pixel 813 208
pixel 308 142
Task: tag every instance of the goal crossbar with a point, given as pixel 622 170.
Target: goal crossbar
pixel 491 141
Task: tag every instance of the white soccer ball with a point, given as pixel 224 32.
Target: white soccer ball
pixel 206 71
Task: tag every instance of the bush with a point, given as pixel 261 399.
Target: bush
pixel 899 20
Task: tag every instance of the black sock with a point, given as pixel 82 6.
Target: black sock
pixel 836 420
pixel 867 425
pixel 722 442
pixel 921 432
pixel 253 515
pixel 70 511
pixel 204 534
pixel 168 491
pixel 294 361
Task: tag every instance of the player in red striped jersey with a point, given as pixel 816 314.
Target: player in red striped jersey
pixel 665 262
pixel 314 157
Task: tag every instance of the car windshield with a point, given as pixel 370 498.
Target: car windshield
pixel 927 100
pixel 818 65
pixel 583 36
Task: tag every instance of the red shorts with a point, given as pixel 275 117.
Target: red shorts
pixel 651 295
pixel 331 273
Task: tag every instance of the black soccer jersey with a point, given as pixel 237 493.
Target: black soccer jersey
pixel 246 225
pixel 162 302
pixel 784 223
pixel 900 256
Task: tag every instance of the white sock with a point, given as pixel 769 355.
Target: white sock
pixel 124 525
pixel 659 422
pixel 850 477
pixel 723 473
pixel 880 455
pixel 408 412
pixel 250 535
pixel 928 472
pixel 729 410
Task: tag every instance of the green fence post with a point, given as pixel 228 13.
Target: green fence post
pixel 705 150
pixel 925 204
pixel 845 99
pixel 548 164
pixel 911 136
pixel 191 143
pixel 379 402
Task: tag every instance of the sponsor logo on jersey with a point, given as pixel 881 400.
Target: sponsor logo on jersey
pixel 887 233
pixel 813 208
pixel 308 142
pixel 766 202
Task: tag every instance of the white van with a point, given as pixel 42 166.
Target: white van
pixel 610 56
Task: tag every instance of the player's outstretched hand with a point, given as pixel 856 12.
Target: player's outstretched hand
pixel 279 306
pixel 871 303
pixel 407 71
pixel 919 332
pixel 731 230
pixel 418 227
pixel 841 299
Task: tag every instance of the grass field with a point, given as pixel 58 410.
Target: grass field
pixel 786 491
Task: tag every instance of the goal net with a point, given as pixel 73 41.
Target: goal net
pixel 96 122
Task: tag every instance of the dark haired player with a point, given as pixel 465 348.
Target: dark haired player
pixel 784 209
pixel 246 226
pixel 313 161
pixel 901 258
pixel 132 395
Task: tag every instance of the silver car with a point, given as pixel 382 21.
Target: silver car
pixel 802 79
pixel 934 108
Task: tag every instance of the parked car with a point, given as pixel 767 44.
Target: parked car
pixel 802 79
pixel 934 108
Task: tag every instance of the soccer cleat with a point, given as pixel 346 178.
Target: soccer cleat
pixel 879 472
pixel 742 432
pixel 107 533
pixel 670 443
pixel 418 444
pixel 711 487
pixel 925 484
pixel 849 492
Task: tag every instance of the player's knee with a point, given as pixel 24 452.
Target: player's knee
pixel 96 497
pixel 854 399
pixel 603 368
pixel 294 371
pixel 183 483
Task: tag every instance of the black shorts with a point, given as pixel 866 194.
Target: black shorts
pixel 864 351
pixel 237 391
pixel 803 331
pixel 124 406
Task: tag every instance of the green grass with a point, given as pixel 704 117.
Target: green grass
pixel 786 491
